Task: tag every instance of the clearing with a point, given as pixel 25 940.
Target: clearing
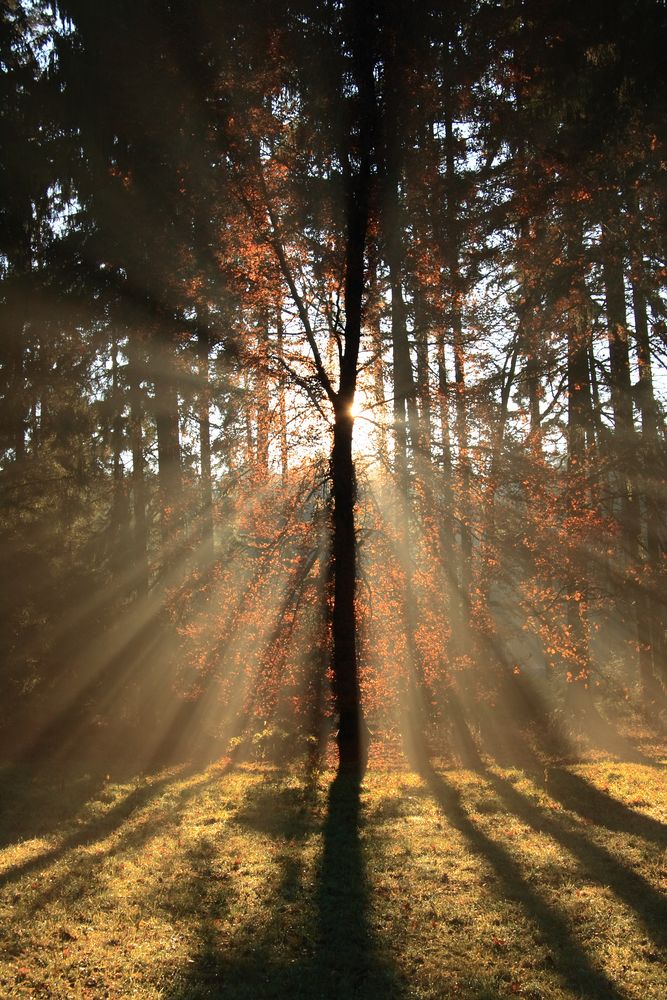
pixel 252 881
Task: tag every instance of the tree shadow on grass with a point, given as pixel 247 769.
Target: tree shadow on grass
pixel 36 801
pixel 111 821
pixel 348 960
pixel 594 805
pixel 578 795
pixel 316 942
pixel 504 743
pixel 570 960
pixel 596 861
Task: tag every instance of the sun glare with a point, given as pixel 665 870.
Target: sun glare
pixel 364 443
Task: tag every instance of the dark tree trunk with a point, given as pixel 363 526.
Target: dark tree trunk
pixel 423 379
pixel 14 353
pixel 352 732
pixel 578 422
pixel 140 540
pixel 650 478
pixel 206 487
pixel 625 438
pixel 262 396
pixel 168 440
pixel 282 407
pixel 373 317
pixel 578 394
pixel 461 574
pixel 619 351
pixel 345 668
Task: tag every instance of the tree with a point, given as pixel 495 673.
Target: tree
pixel 241 225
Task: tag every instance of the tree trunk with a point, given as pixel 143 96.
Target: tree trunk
pixel 140 540
pixel 262 412
pixel 352 731
pixel 206 485
pixel 625 439
pixel 423 379
pixel 282 406
pixel 344 625
pixel 373 321
pixel 650 478
pixel 578 420
pixel 168 440
pixel 119 514
pixel 14 333
pixel 461 575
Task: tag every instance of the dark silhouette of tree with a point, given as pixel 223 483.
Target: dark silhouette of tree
pixel 224 231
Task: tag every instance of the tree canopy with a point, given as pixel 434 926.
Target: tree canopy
pixel 333 347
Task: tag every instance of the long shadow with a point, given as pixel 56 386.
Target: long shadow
pixel 570 960
pixel 103 826
pixel 85 868
pixel 36 801
pixel 251 966
pixel 568 788
pixel 596 806
pixel 579 796
pixel 317 942
pixel 599 864
pixel 348 962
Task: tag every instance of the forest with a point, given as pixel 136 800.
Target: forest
pixel 332 402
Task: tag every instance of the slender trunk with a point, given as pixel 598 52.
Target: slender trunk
pixel 140 541
pixel 168 440
pixel 461 620
pixel 578 393
pixel 282 411
pixel 649 481
pixel 250 410
pixel 262 411
pixel 596 431
pixel 534 395
pixel 17 414
pixel 625 440
pixel 119 503
pixel 404 387
pixel 578 421
pixel 373 323
pixel 527 334
pixel 488 532
pixel 423 380
pixel 619 352
pixel 443 407
pixel 15 329
pixel 645 393
pixel 447 520
pixel 405 391
pixel 203 415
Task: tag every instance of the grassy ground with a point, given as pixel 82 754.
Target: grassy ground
pixel 541 881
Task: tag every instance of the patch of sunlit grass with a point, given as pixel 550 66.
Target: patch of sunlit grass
pixel 254 882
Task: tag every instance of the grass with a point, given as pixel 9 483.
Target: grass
pixel 253 882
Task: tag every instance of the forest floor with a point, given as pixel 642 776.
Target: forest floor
pixel 545 880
